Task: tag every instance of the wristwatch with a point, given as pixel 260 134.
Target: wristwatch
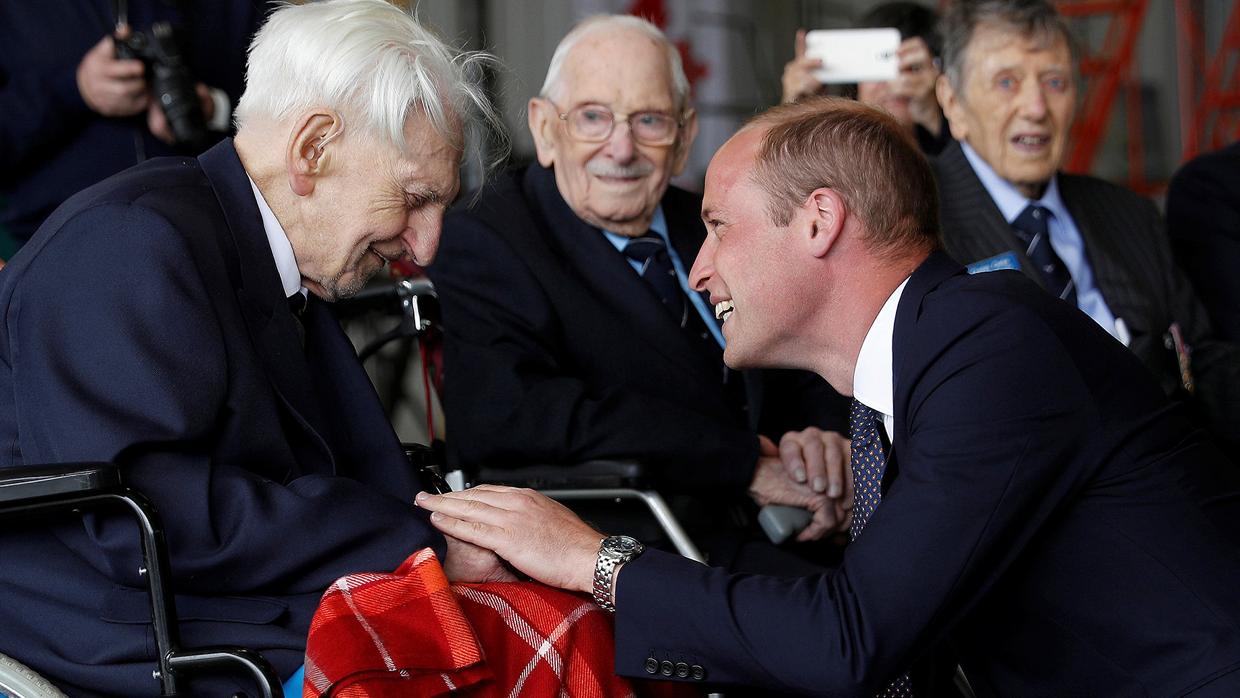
pixel 612 551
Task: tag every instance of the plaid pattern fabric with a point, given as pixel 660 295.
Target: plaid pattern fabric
pixel 410 633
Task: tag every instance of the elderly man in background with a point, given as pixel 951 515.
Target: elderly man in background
pixel 910 96
pixel 572 334
pixel 1028 503
pixel 1009 93
pixel 204 362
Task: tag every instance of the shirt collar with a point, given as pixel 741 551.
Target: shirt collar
pixel 1009 200
pixel 873 380
pixel 281 248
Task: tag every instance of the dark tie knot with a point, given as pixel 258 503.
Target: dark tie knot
pixel 297 303
pixel 862 418
pixel 1032 221
pixel 642 249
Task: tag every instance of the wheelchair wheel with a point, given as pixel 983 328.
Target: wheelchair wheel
pixel 20 681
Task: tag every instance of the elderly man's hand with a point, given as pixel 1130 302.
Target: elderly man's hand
pixel 819 459
pixel 111 86
pixel 798 79
pixel 809 469
pixel 469 563
pixel 916 81
pixel 773 485
pixel 536 535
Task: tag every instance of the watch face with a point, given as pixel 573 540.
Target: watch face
pixel 622 545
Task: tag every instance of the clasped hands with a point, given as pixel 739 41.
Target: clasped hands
pixel 808 469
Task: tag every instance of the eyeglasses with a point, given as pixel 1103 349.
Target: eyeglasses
pixel 593 123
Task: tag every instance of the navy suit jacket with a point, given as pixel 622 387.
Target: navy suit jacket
pixel 145 324
pixel 1128 251
pixel 557 352
pixel 1203 219
pixel 1044 522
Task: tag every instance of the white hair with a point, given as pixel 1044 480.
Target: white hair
pixel 371 61
pixel 598 23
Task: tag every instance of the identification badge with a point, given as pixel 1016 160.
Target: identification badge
pixel 1007 260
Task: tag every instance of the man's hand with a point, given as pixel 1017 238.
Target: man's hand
pixel 111 86
pixel 537 535
pixel 916 81
pixel 157 121
pixel 798 79
pixel 817 458
pixel 469 563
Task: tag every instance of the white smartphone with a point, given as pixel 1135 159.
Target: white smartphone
pixel 854 55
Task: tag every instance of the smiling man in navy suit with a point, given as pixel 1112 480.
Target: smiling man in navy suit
pixel 171 319
pixel 1028 503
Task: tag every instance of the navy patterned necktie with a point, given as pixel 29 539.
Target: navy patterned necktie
pixel 1032 227
pixel 869 461
pixel 650 251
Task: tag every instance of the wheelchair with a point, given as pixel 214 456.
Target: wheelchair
pixel 415 303
pixel 49 490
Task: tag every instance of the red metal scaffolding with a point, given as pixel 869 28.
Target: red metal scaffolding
pixel 1209 85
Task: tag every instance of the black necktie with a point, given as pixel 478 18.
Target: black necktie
pixel 297 305
pixel 868 463
pixel 650 251
pixel 1031 226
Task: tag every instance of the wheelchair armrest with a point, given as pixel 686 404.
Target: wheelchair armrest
pixel 32 483
pixel 594 474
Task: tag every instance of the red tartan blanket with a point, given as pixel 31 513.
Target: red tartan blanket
pixel 410 633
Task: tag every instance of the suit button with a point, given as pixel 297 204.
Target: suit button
pixel 682 670
pixel 666 668
pixel 698 672
pixel 652 665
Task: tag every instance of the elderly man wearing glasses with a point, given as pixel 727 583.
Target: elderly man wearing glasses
pixel 572 334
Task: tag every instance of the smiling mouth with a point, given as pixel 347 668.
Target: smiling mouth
pixel 724 310
pixel 1031 141
pixel 371 249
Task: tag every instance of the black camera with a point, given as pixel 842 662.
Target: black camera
pixel 170 81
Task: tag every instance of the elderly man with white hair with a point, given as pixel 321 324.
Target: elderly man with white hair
pixel 170 319
pixel 572 333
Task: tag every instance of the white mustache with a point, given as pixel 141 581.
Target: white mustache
pixel 603 168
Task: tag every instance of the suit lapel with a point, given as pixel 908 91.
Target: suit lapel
pixel 604 270
pixel 936 269
pixel 259 292
pixel 973 227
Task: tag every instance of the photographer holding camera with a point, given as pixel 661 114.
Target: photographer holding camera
pixel 91 87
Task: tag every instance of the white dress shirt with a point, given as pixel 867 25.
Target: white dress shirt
pixel 873 378
pixel 281 248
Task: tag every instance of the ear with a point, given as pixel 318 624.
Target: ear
pixel 684 144
pixel 824 213
pixel 306 154
pixel 544 120
pixel 953 108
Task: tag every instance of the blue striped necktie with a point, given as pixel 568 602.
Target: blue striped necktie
pixel 1032 226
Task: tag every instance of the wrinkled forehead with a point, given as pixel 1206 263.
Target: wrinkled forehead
pixel 997 36
pixel 623 67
